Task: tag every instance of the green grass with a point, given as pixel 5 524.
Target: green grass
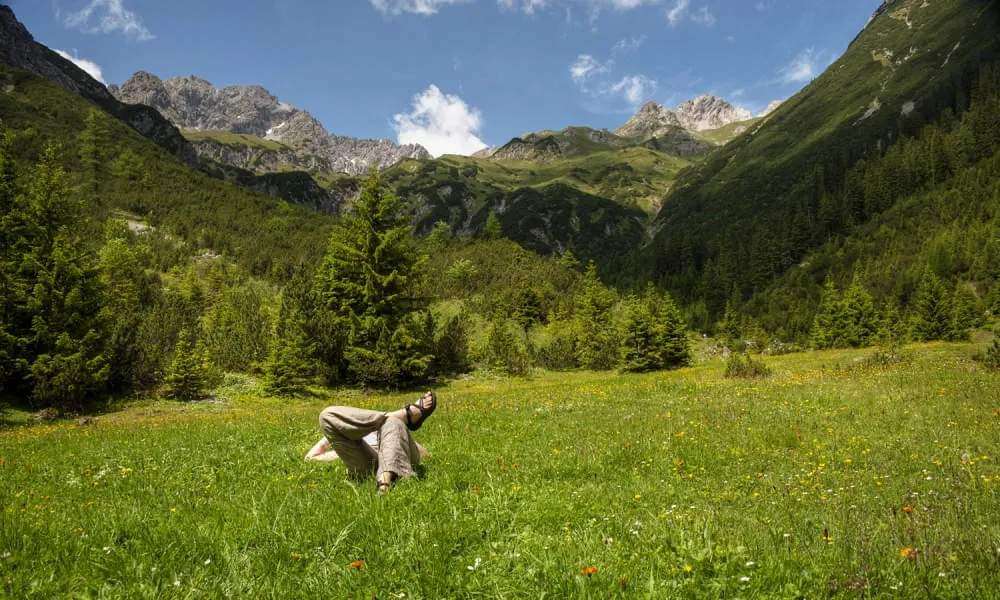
pixel 726 133
pixel 830 478
pixel 237 140
pixel 634 176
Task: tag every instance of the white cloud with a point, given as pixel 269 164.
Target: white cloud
pixel 529 7
pixel 420 7
pixel 703 17
pixel 803 68
pixel 584 67
pixel 634 88
pixel 675 14
pixel 441 123
pixel 88 66
pixel 628 44
pixel 108 16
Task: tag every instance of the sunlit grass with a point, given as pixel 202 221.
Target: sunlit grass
pixel 832 477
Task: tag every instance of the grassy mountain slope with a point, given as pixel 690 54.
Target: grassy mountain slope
pixel 266 235
pixel 753 208
pixel 596 204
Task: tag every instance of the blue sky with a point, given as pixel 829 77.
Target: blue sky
pixel 457 74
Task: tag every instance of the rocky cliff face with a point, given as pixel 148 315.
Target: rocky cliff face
pixel 194 103
pixel 709 112
pixel 698 114
pixel 19 49
pixel 652 120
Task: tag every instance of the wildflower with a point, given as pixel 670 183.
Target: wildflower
pixel 152 569
pixel 6 555
pixel 588 571
pixel 744 579
pixel 750 563
pixel 475 564
pixel 357 564
pixel 208 561
pixel 638 496
pixel 177 583
pixel 688 568
pixel 907 509
pixel 908 552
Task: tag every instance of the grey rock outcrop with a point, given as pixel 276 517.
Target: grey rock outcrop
pixel 193 103
pixel 698 114
pixel 651 120
pixel 709 112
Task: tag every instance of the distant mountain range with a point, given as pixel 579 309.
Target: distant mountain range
pixel 192 103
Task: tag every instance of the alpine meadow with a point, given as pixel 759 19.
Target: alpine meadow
pixel 709 353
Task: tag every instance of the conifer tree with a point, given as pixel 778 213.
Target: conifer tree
pixel 289 365
pixel 731 327
pixel 965 311
pixel 672 340
pixel 57 325
pixel 365 288
pixel 825 325
pixel 595 336
pixel 186 379
pixel 492 230
pixel 932 316
pixel 859 319
pixel 639 349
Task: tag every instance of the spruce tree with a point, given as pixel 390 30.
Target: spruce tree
pixel 672 339
pixel 731 327
pixel 492 230
pixel 289 365
pixel 365 288
pixel 58 326
pixel 824 332
pixel 186 379
pixel 932 316
pixel 859 319
pixel 639 348
pixel 595 335
pixel 965 313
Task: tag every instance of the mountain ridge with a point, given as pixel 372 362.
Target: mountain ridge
pixel 194 103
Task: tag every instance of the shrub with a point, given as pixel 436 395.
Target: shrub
pixel 504 351
pixel 992 357
pixel 555 345
pixel 745 366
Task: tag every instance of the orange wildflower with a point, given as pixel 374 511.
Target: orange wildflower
pixel 588 571
pixel 907 509
pixel 908 552
pixel 357 564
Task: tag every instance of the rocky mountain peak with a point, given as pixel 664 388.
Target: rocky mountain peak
pixel 194 103
pixel 709 112
pixel 651 120
pixel 19 49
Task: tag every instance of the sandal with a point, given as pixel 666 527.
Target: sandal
pixel 424 412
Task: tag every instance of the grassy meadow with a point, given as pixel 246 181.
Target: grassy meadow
pixel 834 477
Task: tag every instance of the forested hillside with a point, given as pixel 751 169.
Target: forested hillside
pixel 827 162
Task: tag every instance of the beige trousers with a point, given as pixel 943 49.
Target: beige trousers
pixel 344 426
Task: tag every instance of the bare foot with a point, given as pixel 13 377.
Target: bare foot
pixel 415 414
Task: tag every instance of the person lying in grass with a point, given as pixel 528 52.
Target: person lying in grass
pixel 373 442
